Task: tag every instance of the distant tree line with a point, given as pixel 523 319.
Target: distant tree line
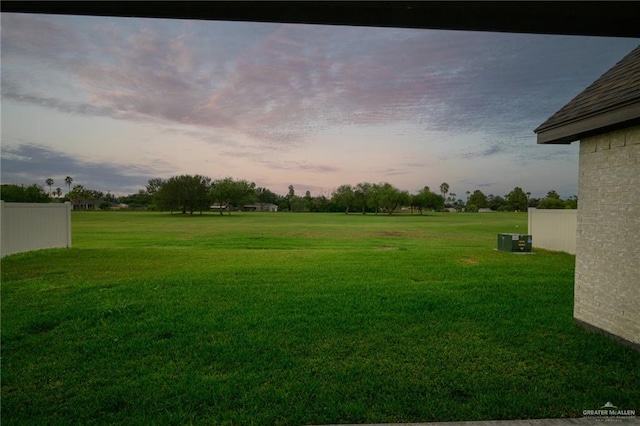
pixel 35 193
pixel 196 193
pixel 23 194
pixel 189 194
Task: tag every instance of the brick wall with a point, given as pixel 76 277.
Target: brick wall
pixel 607 285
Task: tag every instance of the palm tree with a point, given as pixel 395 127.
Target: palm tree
pixel 444 188
pixel 49 182
pixel 58 192
pixel 68 180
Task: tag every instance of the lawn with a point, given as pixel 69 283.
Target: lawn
pixel 284 318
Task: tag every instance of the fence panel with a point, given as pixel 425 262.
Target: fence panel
pixel 34 226
pixel 554 229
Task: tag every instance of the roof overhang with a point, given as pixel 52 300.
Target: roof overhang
pixel 599 18
pixel 602 122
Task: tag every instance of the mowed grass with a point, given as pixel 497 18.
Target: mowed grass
pixel 259 318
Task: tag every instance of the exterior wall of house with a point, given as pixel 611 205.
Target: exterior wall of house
pixel 553 229
pixel 34 226
pixel 607 280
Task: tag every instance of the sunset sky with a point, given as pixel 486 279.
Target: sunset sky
pixel 113 102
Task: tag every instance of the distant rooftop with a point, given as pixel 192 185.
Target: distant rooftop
pixel 609 103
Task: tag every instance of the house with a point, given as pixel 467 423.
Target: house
pixel 87 204
pixel 97 205
pixel 260 207
pixel 605 118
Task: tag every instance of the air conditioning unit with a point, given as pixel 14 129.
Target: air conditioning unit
pixel 514 242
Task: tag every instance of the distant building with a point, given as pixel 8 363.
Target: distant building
pixel 260 207
pixel 87 205
pixel 96 204
pixel 605 118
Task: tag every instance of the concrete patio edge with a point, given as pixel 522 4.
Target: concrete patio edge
pixel 579 421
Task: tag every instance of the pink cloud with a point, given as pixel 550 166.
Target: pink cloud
pixel 288 83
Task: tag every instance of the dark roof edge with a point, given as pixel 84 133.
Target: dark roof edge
pixel 551 17
pixel 610 108
pixel 566 133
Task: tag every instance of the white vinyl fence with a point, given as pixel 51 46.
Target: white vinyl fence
pixel 34 226
pixel 554 229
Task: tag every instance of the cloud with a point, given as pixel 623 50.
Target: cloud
pixel 547 154
pixel 28 163
pixel 300 166
pixel 260 90
pixel 391 171
pixel 491 150
pixel 285 82
pixel 60 105
pixel 49 41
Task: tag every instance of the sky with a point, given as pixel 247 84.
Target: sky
pixel 114 102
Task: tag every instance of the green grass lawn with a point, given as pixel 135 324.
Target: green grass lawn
pixel 262 318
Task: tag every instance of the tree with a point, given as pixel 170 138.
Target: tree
pixel 344 196
pixel 416 202
pixel 478 199
pixel 185 193
pixel 228 192
pixel 79 194
pixel 109 197
pixel 308 201
pixel 362 195
pixel 552 201
pixel 21 194
pixel 404 198
pixel 58 192
pixel 553 194
pixel 154 185
pixel 444 189
pixel 263 195
pixel 495 202
pixel 49 182
pixel 298 204
pixel 390 197
pixel 95 195
pixel 517 200
pixel 374 197
pixel 571 202
pixel 451 200
pixel 533 201
pixel 289 196
pixel 321 203
pixel 68 180
pixel 425 199
pixel 141 200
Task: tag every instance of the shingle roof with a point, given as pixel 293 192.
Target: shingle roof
pixel 613 100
